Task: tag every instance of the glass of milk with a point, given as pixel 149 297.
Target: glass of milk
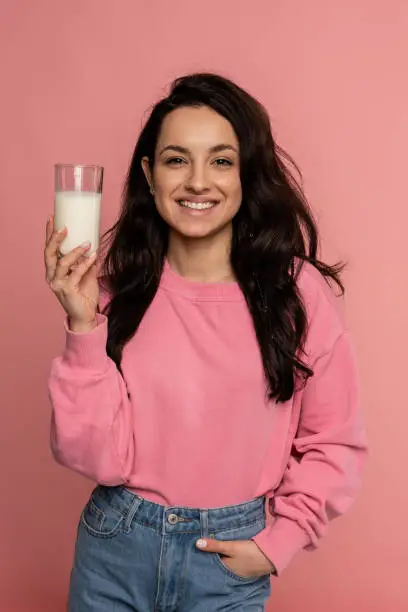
pixel 78 192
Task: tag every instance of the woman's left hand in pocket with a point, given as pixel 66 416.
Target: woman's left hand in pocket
pixel 242 557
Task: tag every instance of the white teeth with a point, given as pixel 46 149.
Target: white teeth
pixel 196 205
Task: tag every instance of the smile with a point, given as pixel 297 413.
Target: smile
pixel 197 205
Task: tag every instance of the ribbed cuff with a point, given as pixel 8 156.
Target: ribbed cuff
pixel 87 349
pixel 281 541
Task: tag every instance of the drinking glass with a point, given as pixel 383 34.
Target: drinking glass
pixel 78 193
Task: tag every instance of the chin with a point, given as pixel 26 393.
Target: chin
pixel 201 231
pixel 197 234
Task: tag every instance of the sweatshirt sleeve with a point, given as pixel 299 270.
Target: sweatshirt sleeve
pixel 324 471
pixel 91 425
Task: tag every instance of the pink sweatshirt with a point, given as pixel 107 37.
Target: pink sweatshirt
pixel 189 424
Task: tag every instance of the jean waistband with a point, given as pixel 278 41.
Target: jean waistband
pixel 181 519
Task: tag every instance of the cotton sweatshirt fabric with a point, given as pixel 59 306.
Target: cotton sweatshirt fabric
pixel 188 422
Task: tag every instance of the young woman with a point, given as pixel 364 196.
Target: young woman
pixel 216 378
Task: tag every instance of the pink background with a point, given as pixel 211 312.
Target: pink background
pixel 77 78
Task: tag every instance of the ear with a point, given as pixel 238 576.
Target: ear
pixel 148 173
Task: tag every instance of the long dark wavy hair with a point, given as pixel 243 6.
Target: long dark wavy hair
pixel 273 232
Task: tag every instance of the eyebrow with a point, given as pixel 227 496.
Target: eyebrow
pixel 215 149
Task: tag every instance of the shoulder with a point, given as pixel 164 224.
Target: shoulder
pixel 324 308
pixel 315 289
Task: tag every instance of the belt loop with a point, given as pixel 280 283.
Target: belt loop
pixel 131 513
pixel 204 523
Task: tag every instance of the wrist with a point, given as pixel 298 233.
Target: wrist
pixel 82 327
pixel 270 568
pixel 273 571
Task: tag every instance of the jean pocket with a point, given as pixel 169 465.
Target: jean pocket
pixel 100 517
pixel 242 533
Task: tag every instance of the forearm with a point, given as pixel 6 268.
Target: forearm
pixel 91 429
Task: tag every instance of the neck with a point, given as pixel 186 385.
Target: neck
pixel 204 260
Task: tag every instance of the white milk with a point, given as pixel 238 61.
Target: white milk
pixel 79 212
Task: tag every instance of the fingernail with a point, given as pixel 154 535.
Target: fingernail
pixel 85 245
pixel 201 543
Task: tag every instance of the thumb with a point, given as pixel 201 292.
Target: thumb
pixel 215 546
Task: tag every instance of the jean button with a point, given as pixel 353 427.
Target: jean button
pixel 172 519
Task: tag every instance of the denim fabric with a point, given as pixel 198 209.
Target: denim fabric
pixel 135 555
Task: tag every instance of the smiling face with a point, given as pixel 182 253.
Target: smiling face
pixel 196 173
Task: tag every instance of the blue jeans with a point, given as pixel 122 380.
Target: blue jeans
pixel 134 555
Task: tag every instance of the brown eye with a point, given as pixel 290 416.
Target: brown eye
pixel 174 161
pixel 223 162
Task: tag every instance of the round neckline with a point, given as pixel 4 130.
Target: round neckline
pixel 196 290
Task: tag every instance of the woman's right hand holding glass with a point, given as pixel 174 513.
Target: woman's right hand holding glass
pixel 73 280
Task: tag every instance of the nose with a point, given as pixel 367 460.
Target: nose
pixel 197 179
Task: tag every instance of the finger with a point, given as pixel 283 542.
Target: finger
pixel 82 269
pixel 65 263
pixel 49 228
pixel 84 257
pixel 215 546
pixel 56 237
pixel 51 252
